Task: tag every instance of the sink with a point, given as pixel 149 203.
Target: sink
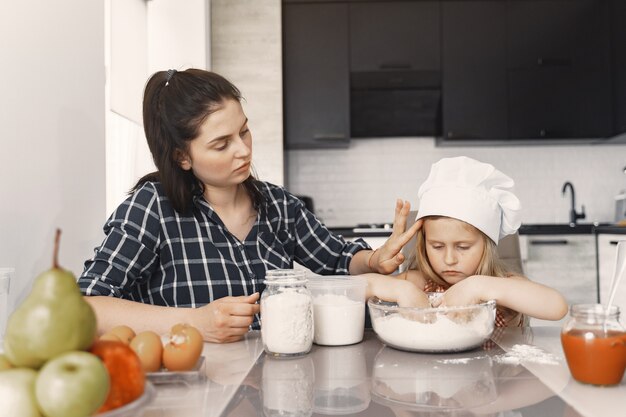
pixel 559 228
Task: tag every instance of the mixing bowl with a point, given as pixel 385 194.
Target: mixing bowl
pixel 435 329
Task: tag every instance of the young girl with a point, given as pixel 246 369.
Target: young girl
pixel 466 207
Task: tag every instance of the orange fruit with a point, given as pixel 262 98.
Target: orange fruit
pixel 127 376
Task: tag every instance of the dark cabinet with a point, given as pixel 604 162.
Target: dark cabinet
pixel 316 75
pixel 394 35
pixel 618 46
pixel 486 70
pixel 474 75
pixel 558 64
pixel 532 69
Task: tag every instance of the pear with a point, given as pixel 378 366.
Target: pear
pixel 53 319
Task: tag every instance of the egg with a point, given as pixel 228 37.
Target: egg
pixel 182 351
pixel 148 346
pixel 123 332
pixel 110 336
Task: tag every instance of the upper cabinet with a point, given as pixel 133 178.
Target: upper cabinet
pixel 316 76
pixel 474 75
pixel 618 42
pixel 558 69
pixel 460 70
pixel 532 69
pixel 394 36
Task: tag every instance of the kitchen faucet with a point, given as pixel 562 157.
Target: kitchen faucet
pixel 573 215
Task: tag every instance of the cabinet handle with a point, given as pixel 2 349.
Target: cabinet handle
pixel 554 62
pixel 614 242
pixel 330 137
pixel 456 135
pixel 395 65
pixel 549 242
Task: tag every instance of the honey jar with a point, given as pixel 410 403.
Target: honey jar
pixel 594 343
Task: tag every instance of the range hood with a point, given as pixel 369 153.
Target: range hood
pixel 395 103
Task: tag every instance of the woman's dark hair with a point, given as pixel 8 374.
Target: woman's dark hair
pixel 175 104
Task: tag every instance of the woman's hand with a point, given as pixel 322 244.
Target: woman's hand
pixel 226 319
pixel 388 258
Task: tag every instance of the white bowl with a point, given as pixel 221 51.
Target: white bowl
pixel 443 329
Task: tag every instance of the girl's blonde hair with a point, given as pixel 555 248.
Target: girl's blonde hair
pixel 490 263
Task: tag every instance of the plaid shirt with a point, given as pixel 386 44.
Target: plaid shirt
pixel 153 255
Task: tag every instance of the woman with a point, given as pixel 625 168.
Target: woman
pixel 202 231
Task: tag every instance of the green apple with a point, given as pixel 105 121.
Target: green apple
pixel 74 384
pixel 17 393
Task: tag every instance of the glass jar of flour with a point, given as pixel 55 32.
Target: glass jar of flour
pixel 286 313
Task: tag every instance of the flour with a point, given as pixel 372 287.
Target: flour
pixel 287 322
pixel 526 353
pixel 338 320
pixel 441 335
pixel 287 386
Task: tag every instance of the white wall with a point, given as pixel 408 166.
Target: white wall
pixel 360 184
pixel 146 36
pixel 246 48
pixel 51 135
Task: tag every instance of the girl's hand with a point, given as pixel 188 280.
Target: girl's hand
pixel 466 292
pixel 227 319
pixel 412 296
pixel 388 258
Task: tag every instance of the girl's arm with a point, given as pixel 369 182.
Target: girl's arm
pixel 403 292
pixel 517 293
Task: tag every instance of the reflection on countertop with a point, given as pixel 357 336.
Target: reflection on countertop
pixel 369 379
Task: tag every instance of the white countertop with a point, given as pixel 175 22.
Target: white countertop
pixel 242 381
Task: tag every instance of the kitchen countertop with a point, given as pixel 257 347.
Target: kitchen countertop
pixel 371 379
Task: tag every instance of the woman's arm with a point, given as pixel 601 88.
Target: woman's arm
pixel 223 320
pixel 388 257
pixel 517 293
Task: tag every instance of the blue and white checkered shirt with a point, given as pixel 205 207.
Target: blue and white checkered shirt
pixel 153 255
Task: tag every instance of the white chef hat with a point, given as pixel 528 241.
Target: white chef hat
pixel 471 191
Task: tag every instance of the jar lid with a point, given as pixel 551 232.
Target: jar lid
pixel 336 281
pixel 597 310
pixel 285 276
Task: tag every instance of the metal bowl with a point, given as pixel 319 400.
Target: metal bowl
pixel 435 329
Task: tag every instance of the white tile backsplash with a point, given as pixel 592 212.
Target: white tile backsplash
pixel 360 184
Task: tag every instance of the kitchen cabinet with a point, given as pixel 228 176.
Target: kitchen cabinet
pixel 316 75
pixel 393 35
pixel 558 64
pixel 607 249
pixel 566 262
pixel 534 69
pixel 474 76
pixel 618 42
pixel 485 70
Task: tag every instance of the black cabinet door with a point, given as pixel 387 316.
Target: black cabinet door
pixel 394 35
pixel 558 61
pixel 316 76
pixel 618 44
pixel 474 76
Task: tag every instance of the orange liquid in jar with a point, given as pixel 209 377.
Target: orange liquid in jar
pixel 594 356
